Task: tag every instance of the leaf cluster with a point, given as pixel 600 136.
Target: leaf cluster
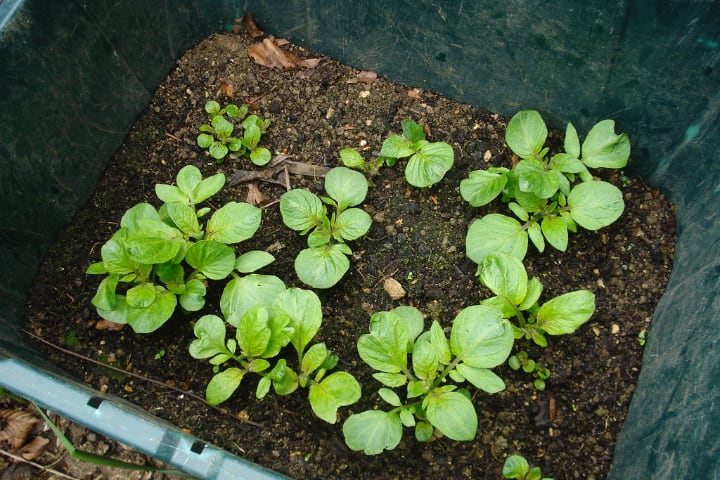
pixel 550 195
pixel 430 368
pixel 278 317
pixel 351 158
pixel 522 360
pixel 161 257
pixel 217 136
pixel 517 297
pixel 428 161
pixel 325 261
pixel 517 467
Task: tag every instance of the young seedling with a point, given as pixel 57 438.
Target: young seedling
pixel 541 190
pixel 517 297
pixel 517 467
pixel 521 360
pixel 161 257
pixel 217 136
pixel 429 161
pixel 351 158
pixel 294 317
pixel 435 404
pixel 325 261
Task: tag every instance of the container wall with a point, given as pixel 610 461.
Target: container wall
pixel 74 76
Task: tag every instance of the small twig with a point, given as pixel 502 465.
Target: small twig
pixel 37 465
pixel 177 139
pixel 141 377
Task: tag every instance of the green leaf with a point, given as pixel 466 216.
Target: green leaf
pixel 482 378
pixel 505 276
pixel 252 134
pixel 390 379
pixel 536 237
pixel 481 337
pixel 207 187
pixel 218 150
pixel 515 467
pixel 243 293
pixel 396 146
pixel 260 156
pixel 602 148
pixel 567 163
pixel 413 131
pixel 566 313
pixel 534 178
pixel 423 431
pixel 119 313
pixel 253 334
pixel 204 141
pixel 440 342
pixel 430 164
pixel 105 297
pixel 132 219
pixel 184 218
pixel 188 179
pixel 352 159
pixel 314 358
pixel 413 320
pixel 347 187
pixel 519 211
pixel 140 296
pixel 571 143
pixel 303 311
pixel 193 298
pixel 253 260
pixel 555 230
pixel 233 223
pixel 353 223
pixel 452 413
pixel 149 319
pixel 390 397
pixel 210 332
pixel 495 233
pixel 526 134
pixel 154 242
pixel 223 385
pixel 322 267
pixel 596 204
pixel 222 126
pixel 534 291
pixel 213 259
pixel 301 210
pixel 373 431
pixel 114 255
pixel 425 361
pixel 385 348
pixel 482 187
pixel 318 238
pixel 337 390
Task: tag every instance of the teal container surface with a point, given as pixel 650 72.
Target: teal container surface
pixel 75 75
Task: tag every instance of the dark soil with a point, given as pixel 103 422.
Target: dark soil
pixel 417 238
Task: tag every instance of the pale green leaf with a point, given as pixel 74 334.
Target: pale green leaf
pixel 495 233
pixel 149 319
pixel 253 333
pixel 566 313
pixel 482 378
pixel 526 133
pixel 430 164
pixel 353 223
pixel 337 390
pixel 481 337
pixel 233 223
pixel 373 431
pixel 505 276
pixel 210 332
pixel 303 312
pixel 603 148
pixel 482 187
pixel 213 259
pixel 253 260
pixel 555 230
pixel 322 267
pixel 243 293
pixel 596 204
pixel 301 210
pixel 347 187
pixel 452 413
pixel 193 298
pixel 223 385
pixel 396 146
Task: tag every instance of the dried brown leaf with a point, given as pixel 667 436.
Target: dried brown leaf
pixel 109 326
pixel 34 448
pixel 365 76
pixel 254 195
pixel 268 54
pixel 15 425
pixel 227 89
pixel 250 27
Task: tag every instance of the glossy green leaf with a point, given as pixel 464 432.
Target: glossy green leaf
pixel 324 266
pixel 571 143
pixel 505 276
pixel 555 230
pixel 303 311
pixel 430 164
pixel 193 298
pixel 482 187
pixel 149 319
pixel 566 313
pixel 114 254
pixel 526 134
pixel 413 320
pixel 385 348
pixel 440 343
pixel 347 187
pixel 482 378
pixel 373 431
pixel 425 360
pixel 233 223
pixel 207 187
pixel 337 390
pixel 352 159
pixel 223 385
pixel 515 467
pixel 452 413
pixel 390 397
pixel 218 150
pixel 253 333
pixel 353 223
pixel 243 293
pixel 184 218
pixel 204 140
pixel 260 156
pixel 603 148
pixel 132 219
pixel 534 290
pixel 495 233
pixel 594 205
pixel 213 259
pixel 301 210
pixel 314 357
pixel 480 337
pixel 534 178
pixel 535 235
pixel 140 296
pixel 253 260
pixel 105 297
pixel 396 146
pixel 210 332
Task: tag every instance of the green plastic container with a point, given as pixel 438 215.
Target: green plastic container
pixel 75 75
